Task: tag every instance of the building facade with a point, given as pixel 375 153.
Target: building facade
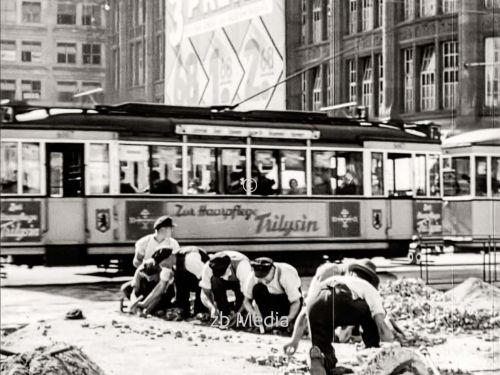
pixel 52 50
pixel 135 46
pixel 415 60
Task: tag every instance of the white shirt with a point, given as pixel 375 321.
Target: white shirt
pixel 286 280
pixel 243 271
pixel 192 262
pixel 146 246
pixel 360 289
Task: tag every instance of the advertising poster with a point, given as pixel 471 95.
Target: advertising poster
pixel 20 221
pixel 140 217
pixel 344 219
pixel 222 52
pixel 427 218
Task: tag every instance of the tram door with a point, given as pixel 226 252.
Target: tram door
pixel 65 173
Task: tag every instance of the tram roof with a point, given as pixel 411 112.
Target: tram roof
pixel 480 137
pixel 158 120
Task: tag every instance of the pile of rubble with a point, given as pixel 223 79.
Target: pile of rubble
pixel 55 359
pixel 422 310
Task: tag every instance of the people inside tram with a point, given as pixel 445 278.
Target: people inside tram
pixel 350 185
pixel 194 186
pixel 264 184
pixel 321 184
pixel 464 184
pixel 162 186
pixel 9 184
pixel 294 187
pixel 235 185
pixel 125 187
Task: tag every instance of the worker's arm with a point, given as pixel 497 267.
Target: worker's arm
pixel 384 331
pixel 298 331
pixel 207 298
pixel 253 312
pixel 294 310
pixel 138 258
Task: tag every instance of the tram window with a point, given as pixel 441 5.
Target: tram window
pixel 134 169
pixel 419 173
pixel 265 171
pixel 56 174
pixel 456 176
pixel 98 168
pixel 31 168
pixel 233 162
pixel 481 177
pixel 340 173
pixel 66 169
pixel 323 170
pixel 399 174
pixel 166 174
pixel 434 175
pixel 293 172
pixel 9 167
pixel 202 172
pixel 495 176
pixel 377 168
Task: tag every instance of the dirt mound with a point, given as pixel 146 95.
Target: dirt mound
pixel 394 360
pixel 474 294
pixel 57 359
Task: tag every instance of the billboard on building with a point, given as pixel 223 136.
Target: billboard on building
pixel 220 52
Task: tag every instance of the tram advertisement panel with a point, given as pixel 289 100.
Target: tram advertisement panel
pixel 225 51
pixel 344 219
pixel 213 220
pixel 20 221
pixel 427 218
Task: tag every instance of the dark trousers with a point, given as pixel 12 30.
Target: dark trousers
pixel 271 304
pixel 347 312
pixel 220 288
pixel 143 287
pixel 185 283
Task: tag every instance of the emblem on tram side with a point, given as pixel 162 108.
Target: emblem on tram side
pixel 344 219
pixel 102 219
pixel 377 219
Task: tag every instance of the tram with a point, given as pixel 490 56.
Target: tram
pixel 471 188
pixel 80 186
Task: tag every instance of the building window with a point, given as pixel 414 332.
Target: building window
pixel 367 83
pixel 65 91
pixel 408 80
pixel 66 53
pixel 329 18
pixel 317 90
pixel 97 97
pixel 303 79
pixel 380 13
pixel 159 48
pixel 138 12
pixel 317 22
pixel 8 11
pixel 31 52
pixel 367 15
pixel 450 74
pixel 329 90
pixel 31 11
pixel 116 68
pixel 492 72
pixel 449 6
pixel 428 80
pixel 353 16
pixel 303 29
pixel 380 82
pixel 427 8
pixel 31 90
pixel 353 82
pixel 91 54
pixel 409 9
pixel 8 89
pixel 137 63
pixel 66 14
pixel 91 15
pixel 116 17
pixel 8 50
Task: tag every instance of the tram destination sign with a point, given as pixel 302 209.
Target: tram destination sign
pixel 233 131
pixel 20 221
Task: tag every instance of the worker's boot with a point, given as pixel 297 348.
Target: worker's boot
pixel 317 362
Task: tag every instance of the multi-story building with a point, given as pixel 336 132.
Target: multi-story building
pixel 136 44
pixel 52 50
pixel 416 60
